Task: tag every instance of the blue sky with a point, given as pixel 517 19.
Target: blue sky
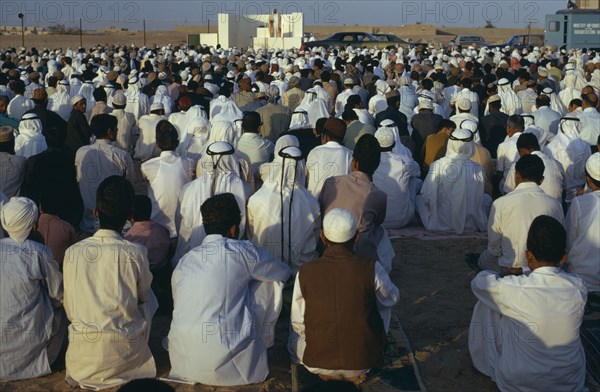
pixel 165 15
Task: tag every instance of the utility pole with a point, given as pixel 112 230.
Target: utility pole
pixel 22 17
pixel 144 32
pixel 80 34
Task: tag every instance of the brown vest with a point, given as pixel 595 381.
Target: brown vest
pixel 344 330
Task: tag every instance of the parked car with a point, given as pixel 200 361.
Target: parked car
pixel 354 39
pixel 521 41
pixel 391 38
pixel 468 40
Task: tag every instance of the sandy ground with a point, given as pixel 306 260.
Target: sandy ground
pixel 417 33
pixel 434 309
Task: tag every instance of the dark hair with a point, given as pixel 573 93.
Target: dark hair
pixel 320 125
pixel 326 76
pixel 517 122
pixel 259 76
pixel 251 122
pixel 101 123
pixel 52 81
pixel 576 102
pixel 542 100
pixel 147 384
pixel 5 99
pixel 225 90
pixel 99 94
pixel 52 200
pixel 367 152
pixel 445 123
pixel 192 85
pixel 393 100
pixel 142 208
pixel 466 82
pixel 427 84
pixel 590 99
pixel 353 100
pixel 547 239
pixel 114 200
pixel 349 114
pixel 18 86
pixel 219 213
pixel 528 141
pixel 55 137
pixel 167 137
pixel 531 167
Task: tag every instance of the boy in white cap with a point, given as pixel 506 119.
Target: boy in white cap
pixel 145 147
pixel 126 122
pixel 345 298
pixel 583 229
pixel 78 128
pixel 31 291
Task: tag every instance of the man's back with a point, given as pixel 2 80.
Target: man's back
pixel 354 131
pixel 553 177
pixel 78 131
pixel 493 131
pixel 125 124
pixel 12 171
pixel 214 337
pixel 275 119
pixel 539 315
pixel 583 239
pixel 510 218
pixel 293 98
pixel 325 161
pixel 367 203
pixel 145 147
pixel 548 120
pixel 107 290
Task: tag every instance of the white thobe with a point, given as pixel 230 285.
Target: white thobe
pixel 179 121
pixel 193 195
pixel 583 239
pixel 377 104
pixel 94 163
pixel 528 98
pixel 166 176
pixel 510 219
pixel 110 305
pixel 340 101
pixel 590 126
pixel 138 104
pixel 60 103
pixel 452 197
pixel 524 332
pixel 145 147
pixel 553 177
pixel 398 177
pixel 507 154
pixel 265 225
pixel 215 335
pixel 328 160
pixel 30 283
pixel 572 154
pixel 18 106
pixel 125 124
pixel 548 120
pixel 471 96
pixel 387 295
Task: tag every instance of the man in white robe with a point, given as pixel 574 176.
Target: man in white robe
pixel 572 153
pixel 452 197
pixel 283 217
pixel 553 171
pixel 125 122
pixel 466 93
pixel 138 103
pixel 583 229
pixel 511 104
pixel 360 339
pixel 524 333
pixel 60 101
pixel 145 147
pixel 512 214
pixel 507 152
pixel 545 118
pixel 33 326
pixel 219 335
pixel 98 161
pixel 166 175
pixel 108 298
pixel 330 158
pixel 18 105
pixel 397 176
pixel 590 119
pixel 30 141
pixel 220 172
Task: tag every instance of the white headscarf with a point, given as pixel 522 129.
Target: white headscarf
pixel 224 109
pixel 555 103
pixel 163 97
pixel 315 107
pixel 60 101
pixel 300 120
pixel 17 217
pixel 196 138
pixel 399 148
pixel 30 140
pixel 87 91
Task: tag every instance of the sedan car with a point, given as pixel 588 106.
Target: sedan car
pixel 468 40
pixel 391 38
pixel 354 39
